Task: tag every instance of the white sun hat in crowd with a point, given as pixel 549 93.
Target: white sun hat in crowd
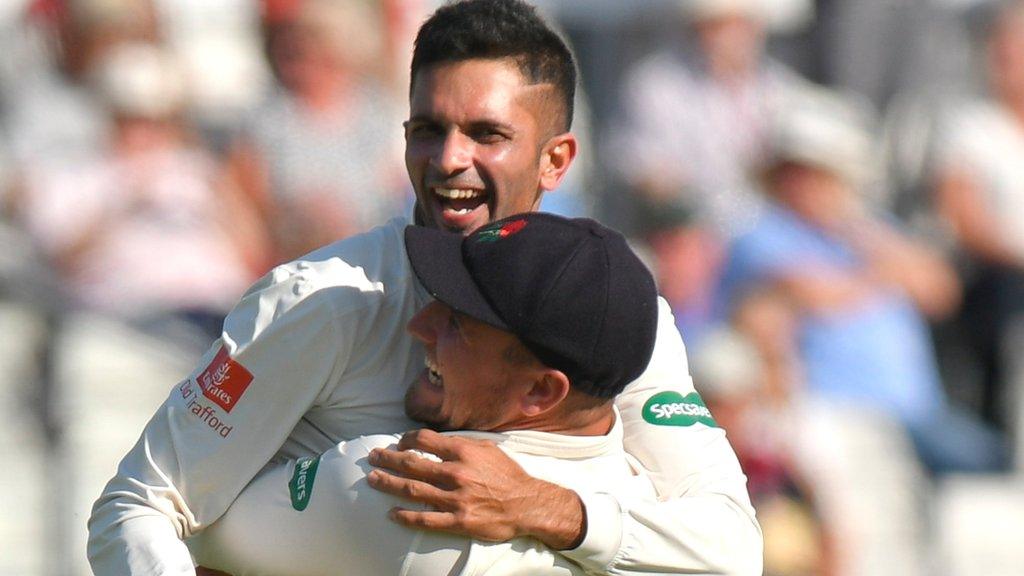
pixel 783 16
pixel 826 129
pixel 140 80
pixel 700 10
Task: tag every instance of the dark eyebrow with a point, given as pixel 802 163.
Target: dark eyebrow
pixel 419 118
pixel 420 121
pixel 489 124
pixel 475 125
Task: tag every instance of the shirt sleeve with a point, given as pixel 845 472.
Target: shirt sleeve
pixel 298 518
pixel 279 348
pixel 703 521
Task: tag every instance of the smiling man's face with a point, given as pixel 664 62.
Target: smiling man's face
pixel 470 381
pixel 479 142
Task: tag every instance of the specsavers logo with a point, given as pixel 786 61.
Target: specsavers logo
pixel 301 485
pixel 672 409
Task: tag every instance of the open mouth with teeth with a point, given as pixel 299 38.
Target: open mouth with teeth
pixel 433 373
pixel 459 204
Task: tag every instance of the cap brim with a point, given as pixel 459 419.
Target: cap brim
pixel 436 258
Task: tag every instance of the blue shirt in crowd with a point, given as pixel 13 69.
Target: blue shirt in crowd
pixel 877 351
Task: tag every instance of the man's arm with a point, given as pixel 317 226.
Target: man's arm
pixel 216 429
pixel 493 498
pixel 704 522
pixel 317 516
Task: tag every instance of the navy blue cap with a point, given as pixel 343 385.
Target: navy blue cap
pixel 571 290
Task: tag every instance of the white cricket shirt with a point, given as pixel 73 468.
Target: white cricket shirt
pixel 316 352
pixel 320 517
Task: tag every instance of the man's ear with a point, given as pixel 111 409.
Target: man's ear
pixel 556 157
pixel 548 390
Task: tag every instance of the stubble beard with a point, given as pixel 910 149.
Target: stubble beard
pixel 421 415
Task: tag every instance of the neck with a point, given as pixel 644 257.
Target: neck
pixel 598 426
pixel 596 421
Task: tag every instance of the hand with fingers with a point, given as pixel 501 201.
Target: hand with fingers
pixel 476 490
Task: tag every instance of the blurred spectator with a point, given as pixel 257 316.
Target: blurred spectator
pixel 217 44
pixel 401 20
pixel 979 193
pixel 142 228
pixel 861 289
pixel 687 258
pixel 694 122
pixel 48 111
pixel 765 317
pixel 321 156
pixel 729 372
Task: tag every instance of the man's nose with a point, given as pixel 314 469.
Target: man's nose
pixel 455 153
pixel 423 325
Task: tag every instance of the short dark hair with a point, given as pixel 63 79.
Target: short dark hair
pixel 497 29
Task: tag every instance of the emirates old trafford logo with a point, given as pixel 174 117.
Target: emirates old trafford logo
pixel 224 380
pixel 301 485
pixel 673 409
pixel 496 232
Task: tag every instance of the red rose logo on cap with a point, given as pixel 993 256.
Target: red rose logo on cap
pixel 495 233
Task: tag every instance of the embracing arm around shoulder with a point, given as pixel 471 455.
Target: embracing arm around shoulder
pixel 702 523
pixel 215 431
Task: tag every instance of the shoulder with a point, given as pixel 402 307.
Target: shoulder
pixel 668 367
pixel 359 447
pixel 776 229
pixel 362 272
pixel 367 260
pixel 374 262
pixel 778 242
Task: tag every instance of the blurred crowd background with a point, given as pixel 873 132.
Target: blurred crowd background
pixel 831 194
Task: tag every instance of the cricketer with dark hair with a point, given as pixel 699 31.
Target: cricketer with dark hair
pixel 496 31
pixel 316 353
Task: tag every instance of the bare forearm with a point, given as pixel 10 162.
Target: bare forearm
pixel 967 211
pixel 916 269
pixel 823 291
pixel 477 491
pixel 555 517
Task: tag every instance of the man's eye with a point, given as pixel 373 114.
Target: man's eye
pixel 423 130
pixel 455 324
pixel 488 136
